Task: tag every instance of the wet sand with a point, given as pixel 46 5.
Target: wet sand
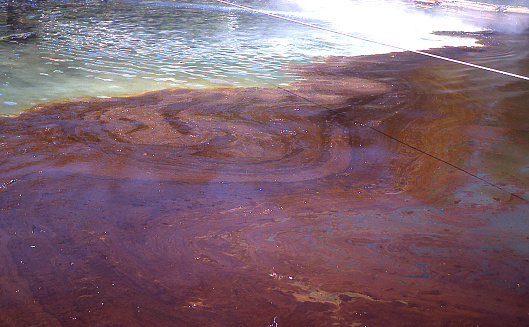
pixel 255 207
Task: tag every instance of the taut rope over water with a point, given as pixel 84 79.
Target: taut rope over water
pixel 372 41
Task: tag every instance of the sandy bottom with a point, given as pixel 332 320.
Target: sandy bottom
pixel 255 207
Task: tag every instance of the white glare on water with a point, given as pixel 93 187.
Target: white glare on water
pixel 390 22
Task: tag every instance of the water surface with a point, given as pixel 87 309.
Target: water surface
pixel 267 206
pixel 94 48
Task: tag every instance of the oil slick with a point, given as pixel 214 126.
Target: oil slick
pixel 250 207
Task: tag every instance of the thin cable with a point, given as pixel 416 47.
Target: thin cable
pixel 406 144
pixel 372 41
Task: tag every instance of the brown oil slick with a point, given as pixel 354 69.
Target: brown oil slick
pixel 255 207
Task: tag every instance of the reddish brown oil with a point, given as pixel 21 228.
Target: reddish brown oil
pixel 255 207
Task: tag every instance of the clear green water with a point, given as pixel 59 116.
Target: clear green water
pixel 94 48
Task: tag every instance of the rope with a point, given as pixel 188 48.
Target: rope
pixel 375 42
pixel 406 144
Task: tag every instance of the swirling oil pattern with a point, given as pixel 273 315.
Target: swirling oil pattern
pixel 255 207
pixel 235 135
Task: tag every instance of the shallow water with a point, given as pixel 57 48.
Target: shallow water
pixel 254 206
pixel 94 48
